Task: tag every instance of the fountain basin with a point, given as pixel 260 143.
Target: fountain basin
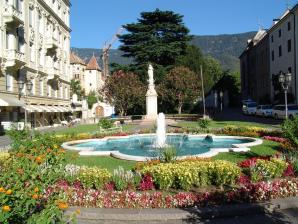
pixel 141 147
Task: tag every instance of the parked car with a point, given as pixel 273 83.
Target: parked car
pixel 279 111
pixel 264 110
pixel 249 107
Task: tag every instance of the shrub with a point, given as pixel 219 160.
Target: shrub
pixel 105 123
pixel 125 179
pixel 168 154
pixel 93 177
pixel 204 123
pixel 35 166
pixel 267 169
pixel 4 159
pixel 184 175
pixel 290 130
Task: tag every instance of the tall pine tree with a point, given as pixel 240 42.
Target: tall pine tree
pixel 158 37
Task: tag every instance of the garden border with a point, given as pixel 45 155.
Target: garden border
pixel 89 151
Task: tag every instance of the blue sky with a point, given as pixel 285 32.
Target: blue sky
pixel 95 21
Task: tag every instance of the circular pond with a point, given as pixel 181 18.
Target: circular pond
pixel 142 147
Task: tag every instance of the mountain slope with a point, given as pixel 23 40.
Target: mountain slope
pixel 225 48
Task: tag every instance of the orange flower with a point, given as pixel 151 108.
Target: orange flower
pixel 8 192
pixel 6 208
pixel 49 150
pixel 62 151
pixel 2 190
pixel 38 159
pixel 62 205
pixel 35 196
pixel 36 189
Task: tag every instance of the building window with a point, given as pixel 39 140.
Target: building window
pixel 289 45
pixel 31 17
pixel 49 90
pixel 9 82
pixel 65 93
pixel 61 92
pixel 41 87
pixel 32 52
pixel 272 55
pixel 7 40
pixel 272 39
pixel 289 26
pixel 32 92
pixel 279 51
pixel 279 32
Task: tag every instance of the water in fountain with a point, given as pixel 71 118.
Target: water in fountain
pixel 161 131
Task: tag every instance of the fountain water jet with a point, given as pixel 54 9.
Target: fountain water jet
pixel 161 131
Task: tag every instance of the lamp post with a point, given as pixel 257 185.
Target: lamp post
pixel 29 86
pixel 221 96
pixel 285 80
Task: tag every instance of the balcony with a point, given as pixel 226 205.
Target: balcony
pixel 14 57
pixel 51 43
pixel 12 15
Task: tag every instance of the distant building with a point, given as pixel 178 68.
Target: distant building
pixel 35 47
pixel 91 80
pixel 267 54
pixel 255 68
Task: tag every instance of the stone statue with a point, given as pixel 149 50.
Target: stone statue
pixel 150 74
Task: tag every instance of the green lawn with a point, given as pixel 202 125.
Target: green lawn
pixel 268 148
pixel 221 124
pixel 88 128
pixel 101 161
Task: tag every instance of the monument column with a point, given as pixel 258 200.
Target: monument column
pixel 151 97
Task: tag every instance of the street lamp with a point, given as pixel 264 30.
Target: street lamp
pixel 285 80
pixel 221 96
pixel 29 86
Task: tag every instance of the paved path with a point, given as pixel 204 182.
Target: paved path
pixel 276 211
pixel 235 114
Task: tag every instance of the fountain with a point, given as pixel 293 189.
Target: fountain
pixel 144 147
pixel 161 131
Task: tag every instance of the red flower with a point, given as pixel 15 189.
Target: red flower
pixel 146 183
pixel 289 172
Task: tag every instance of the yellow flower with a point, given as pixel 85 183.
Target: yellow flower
pixel 6 208
pixel 2 190
pixel 8 192
pixel 36 190
pixel 78 211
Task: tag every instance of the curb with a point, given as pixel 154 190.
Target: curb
pixel 223 211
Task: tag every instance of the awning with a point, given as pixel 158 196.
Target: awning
pixel 33 108
pixel 10 101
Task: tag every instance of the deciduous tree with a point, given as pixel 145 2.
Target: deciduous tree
pixel 180 86
pixel 124 90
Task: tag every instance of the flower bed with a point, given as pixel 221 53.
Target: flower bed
pixel 255 192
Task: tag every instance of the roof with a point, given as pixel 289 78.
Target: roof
pixel 75 59
pixel 92 64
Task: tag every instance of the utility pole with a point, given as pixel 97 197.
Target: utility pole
pixel 203 93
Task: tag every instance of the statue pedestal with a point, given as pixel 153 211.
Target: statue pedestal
pixel 151 103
